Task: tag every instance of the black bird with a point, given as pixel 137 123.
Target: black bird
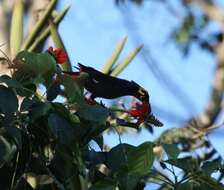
pixel 105 86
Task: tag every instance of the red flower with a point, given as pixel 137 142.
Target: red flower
pixel 141 111
pixel 59 54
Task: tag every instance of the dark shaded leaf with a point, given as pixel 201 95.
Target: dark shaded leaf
pixel 53 91
pixel 94 113
pixel 93 158
pixel 105 184
pixel 26 104
pixel 7 150
pixel 127 181
pixel 39 109
pixel 73 91
pixel 95 174
pixel 99 140
pixel 116 157
pixel 171 150
pixel 64 112
pixel 208 183
pixel 23 90
pixel 62 130
pixel 185 186
pixel 23 184
pixel 12 83
pixel 187 164
pixel 15 134
pixel 211 166
pixel 8 101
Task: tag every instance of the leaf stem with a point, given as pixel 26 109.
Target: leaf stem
pixel 15 169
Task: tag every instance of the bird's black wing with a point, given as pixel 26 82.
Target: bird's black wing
pixel 99 77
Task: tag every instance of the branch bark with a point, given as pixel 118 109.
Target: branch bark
pixel 214 105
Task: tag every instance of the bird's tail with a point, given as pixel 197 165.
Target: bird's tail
pixel 153 120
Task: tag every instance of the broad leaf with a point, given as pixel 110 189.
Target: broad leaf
pixel 53 91
pixel 208 183
pixel 7 150
pixel 93 158
pixel 8 101
pixel 39 109
pixel 99 140
pixel 94 113
pixel 140 159
pixel 73 91
pixel 185 186
pixel 211 166
pixel 62 130
pixel 15 133
pixel 64 112
pixel 117 156
pixel 127 181
pixel 187 164
pixel 105 184
pixel 26 104
pixel 12 83
pixel 171 150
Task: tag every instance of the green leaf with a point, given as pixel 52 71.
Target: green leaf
pixel 73 91
pixel 28 89
pixel 62 130
pixel 39 109
pixel 141 158
pixel 15 133
pixel 7 151
pixel 64 112
pixel 211 166
pixel 187 164
pixel 127 181
pixel 105 184
pixel 26 104
pixel 12 83
pixel 116 157
pixel 171 150
pixel 93 157
pixel 99 140
pixel 185 186
pixel 53 91
pixel 94 113
pixel 209 183
pixel 38 64
pixel 8 101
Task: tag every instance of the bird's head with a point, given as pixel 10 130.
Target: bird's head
pixel 140 92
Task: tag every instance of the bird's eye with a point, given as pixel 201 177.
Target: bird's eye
pixel 23 59
pixel 141 91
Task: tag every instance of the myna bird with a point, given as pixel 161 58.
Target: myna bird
pixel 105 86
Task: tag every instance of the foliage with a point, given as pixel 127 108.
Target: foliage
pixel 46 144
pixel 53 139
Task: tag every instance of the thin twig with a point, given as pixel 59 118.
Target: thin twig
pixel 15 170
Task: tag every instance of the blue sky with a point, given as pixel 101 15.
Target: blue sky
pixel 91 31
